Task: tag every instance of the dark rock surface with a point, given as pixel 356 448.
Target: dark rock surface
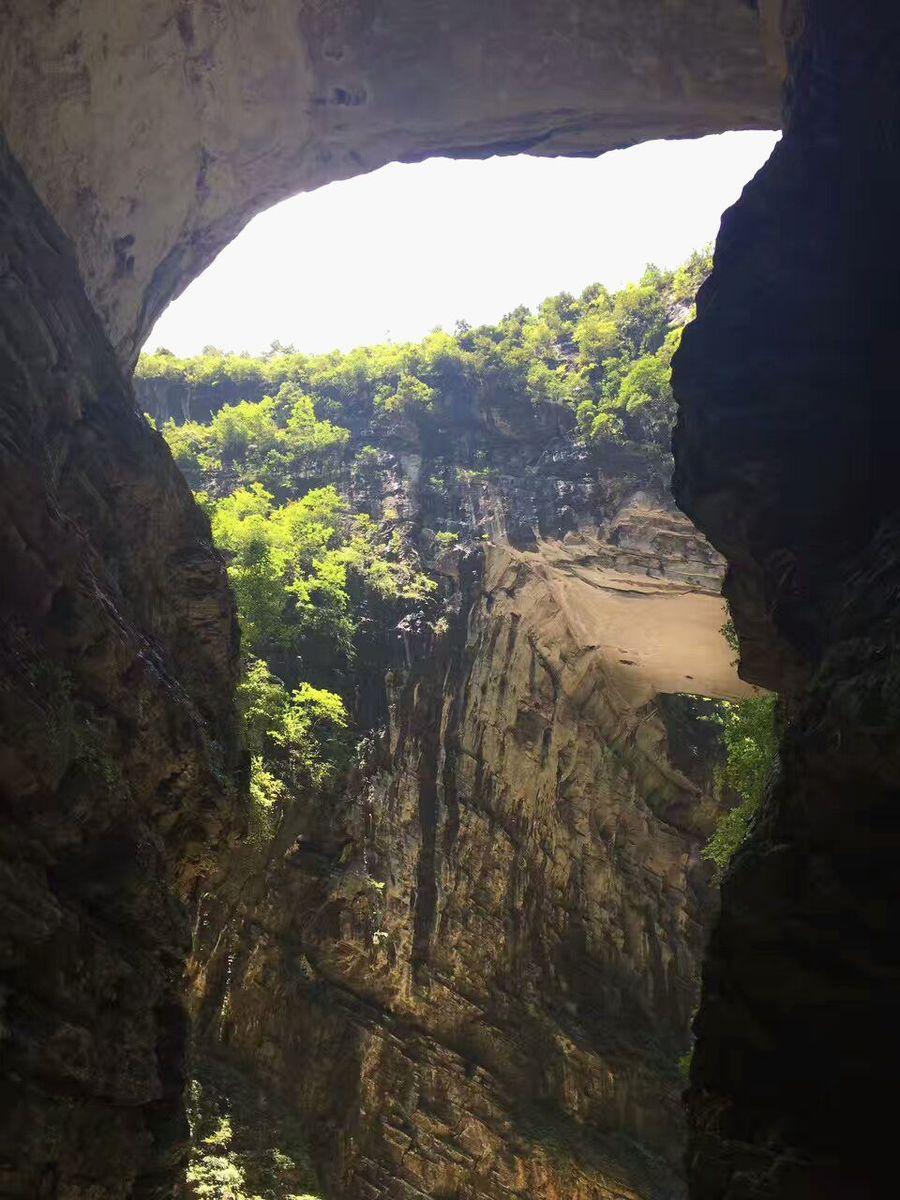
pixel 787 457
pixel 117 646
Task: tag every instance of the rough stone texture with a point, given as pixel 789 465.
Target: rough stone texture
pixel 472 971
pixel 152 132
pixel 117 648
pixel 154 129
pixel 786 456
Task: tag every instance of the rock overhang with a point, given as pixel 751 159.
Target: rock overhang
pixel 154 138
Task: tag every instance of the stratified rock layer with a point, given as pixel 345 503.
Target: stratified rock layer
pixel 117 647
pixel 787 457
pixel 472 971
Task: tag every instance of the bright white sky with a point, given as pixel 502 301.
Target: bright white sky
pixel 393 254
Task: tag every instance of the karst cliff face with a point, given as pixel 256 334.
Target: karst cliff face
pixel 471 968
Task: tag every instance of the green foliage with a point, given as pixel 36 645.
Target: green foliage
pixel 687 278
pixel 606 355
pixel 750 734
pixel 262 698
pixel 410 394
pixel 243 1146
pixel 597 335
pixel 282 566
pixel 269 441
pixel 268 794
pixel 729 633
pixel 635 403
pixel 367 460
pixel 311 724
pixel 162 366
pixel 296 739
pixel 301 570
pixel 640 315
pixel 291 566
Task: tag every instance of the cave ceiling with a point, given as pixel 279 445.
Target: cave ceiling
pixel 154 131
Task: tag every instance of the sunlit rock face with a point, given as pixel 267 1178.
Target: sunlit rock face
pixel 472 971
pixel 787 457
pixel 117 742
pixel 153 135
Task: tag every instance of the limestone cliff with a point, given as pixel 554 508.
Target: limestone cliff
pixel 471 969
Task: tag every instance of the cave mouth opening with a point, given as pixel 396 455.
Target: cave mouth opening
pixel 431 536
pixel 133 151
pixel 392 254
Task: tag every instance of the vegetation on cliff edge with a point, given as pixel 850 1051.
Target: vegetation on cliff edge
pixel 606 355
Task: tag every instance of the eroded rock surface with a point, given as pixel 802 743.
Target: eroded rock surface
pixel 152 139
pixel 471 971
pixel 117 645
pixel 155 131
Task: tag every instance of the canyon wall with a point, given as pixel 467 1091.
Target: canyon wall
pixel 470 970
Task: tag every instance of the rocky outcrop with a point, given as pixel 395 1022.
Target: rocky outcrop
pixel 117 643
pixel 155 136
pixel 471 971
pixel 786 457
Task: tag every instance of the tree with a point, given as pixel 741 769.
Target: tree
pixel 409 395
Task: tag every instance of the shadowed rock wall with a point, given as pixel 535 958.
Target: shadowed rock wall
pixel 787 456
pixel 117 651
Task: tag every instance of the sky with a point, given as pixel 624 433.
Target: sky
pixel 393 254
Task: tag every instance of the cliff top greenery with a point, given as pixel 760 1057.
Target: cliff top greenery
pixel 606 355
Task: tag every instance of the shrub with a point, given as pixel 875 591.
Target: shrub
pixel 750 733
